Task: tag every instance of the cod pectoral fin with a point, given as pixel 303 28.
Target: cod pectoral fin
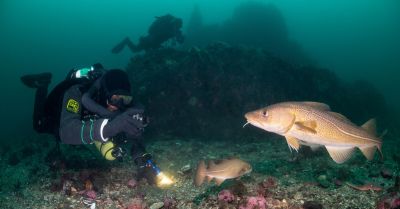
pixel 340 154
pixel 293 143
pixel 307 126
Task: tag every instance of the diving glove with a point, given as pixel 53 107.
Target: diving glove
pixel 124 123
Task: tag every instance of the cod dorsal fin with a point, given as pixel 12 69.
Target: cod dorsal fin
pixel 340 154
pixel 370 126
pixel 339 116
pixel 307 126
pixel 293 143
pixel 318 105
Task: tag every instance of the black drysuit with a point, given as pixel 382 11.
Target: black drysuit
pixel 77 125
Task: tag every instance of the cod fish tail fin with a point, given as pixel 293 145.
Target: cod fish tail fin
pixel 200 173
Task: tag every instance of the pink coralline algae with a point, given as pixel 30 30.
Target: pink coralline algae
pixel 90 194
pixel 258 202
pixel 389 202
pixel 226 196
pixel 396 203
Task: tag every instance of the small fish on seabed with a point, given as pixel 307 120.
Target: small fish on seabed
pixel 314 124
pixel 221 170
pixel 366 187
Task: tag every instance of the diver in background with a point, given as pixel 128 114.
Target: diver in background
pixel 164 28
pixel 92 105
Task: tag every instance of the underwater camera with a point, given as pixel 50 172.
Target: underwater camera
pixel 142 118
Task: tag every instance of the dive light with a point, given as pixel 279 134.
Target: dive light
pixel 162 180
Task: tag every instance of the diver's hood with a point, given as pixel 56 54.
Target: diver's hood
pixel 114 82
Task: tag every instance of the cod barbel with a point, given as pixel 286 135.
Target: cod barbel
pixel 313 124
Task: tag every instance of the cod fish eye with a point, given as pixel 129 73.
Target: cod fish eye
pixel 265 113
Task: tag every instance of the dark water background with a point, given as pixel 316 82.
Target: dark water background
pixel 357 39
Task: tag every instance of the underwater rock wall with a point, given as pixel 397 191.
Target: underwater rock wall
pixel 205 92
pixel 255 24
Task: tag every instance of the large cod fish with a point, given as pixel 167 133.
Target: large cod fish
pixel 313 124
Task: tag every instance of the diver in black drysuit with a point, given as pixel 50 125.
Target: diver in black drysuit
pixel 91 104
pixel 164 28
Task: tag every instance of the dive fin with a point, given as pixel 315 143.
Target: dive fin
pixel 307 126
pixel 340 154
pixel 293 143
pixel 36 80
pixel 119 47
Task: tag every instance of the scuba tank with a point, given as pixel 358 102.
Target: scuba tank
pixel 109 150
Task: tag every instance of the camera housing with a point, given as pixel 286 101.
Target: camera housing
pixel 142 118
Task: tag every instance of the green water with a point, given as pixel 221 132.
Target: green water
pixel 354 39
pixel 357 39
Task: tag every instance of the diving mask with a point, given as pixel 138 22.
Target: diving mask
pixel 120 100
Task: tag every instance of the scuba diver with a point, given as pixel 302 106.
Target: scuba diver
pixel 93 106
pixel 164 28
